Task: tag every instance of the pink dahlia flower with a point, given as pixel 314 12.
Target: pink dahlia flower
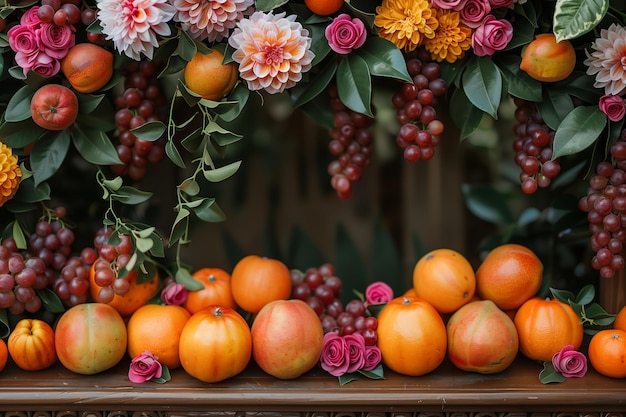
pixel 212 19
pixel 133 25
pixel 273 51
pixel 608 60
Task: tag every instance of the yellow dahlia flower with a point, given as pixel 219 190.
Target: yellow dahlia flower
pixel 10 174
pixel 452 38
pixel 406 23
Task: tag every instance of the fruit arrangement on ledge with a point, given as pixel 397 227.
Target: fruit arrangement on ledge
pixel 108 89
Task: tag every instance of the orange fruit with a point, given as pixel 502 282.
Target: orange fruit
pixel 256 281
pixel 4 354
pixel 411 336
pixel 87 67
pixel 324 7
pixel 545 326
pixel 547 60
pixel 216 290
pixel 137 295
pixel 208 77
pixel 157 328
pixel 620 319
pixel 31 345
pixel 445 279
pixel 509 275
pixel 607 352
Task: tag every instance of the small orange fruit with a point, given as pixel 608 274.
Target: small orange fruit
pixel 208 77
pixel 137 295
pixel 445 279
pixel 216 290
pixel 31 345
pixel 509 275
pixel 620 319
pixel 87 67
pixel 412 336
pixel 4 354
pixel 256 281
pixel 545 326
pixel 157 328
pixel 547 60
pixel 324 7
pixel 607 352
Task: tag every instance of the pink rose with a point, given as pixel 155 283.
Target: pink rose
pixel 30 18
pixel 492 36
pixel 144 367
pixel 474 12
pixel 335 358
pixel 23 39
pixel 570 363
pixel 355 344
pixel 496 4
pixel 345 34
pixel 378 293
pixel 44 65
pixel 174 294
pixel 373 356
pixel 56 40
pixel 449 4
pixel 613 106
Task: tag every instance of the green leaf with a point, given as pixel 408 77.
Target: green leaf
pixel 574 18
pixel 554 106
pixel 267 5
pixel 29 193
pixel 482 83
pixel 172 153
pixel 150 131
pixel 87 103
pixel 48 155
pixel 143 244
pixel 376 373
pixel 303 93
pixel 18 236
pixel 347 378
pixel 586 295
pixel 221 173
pixel 354 84
pixel 464 114
pixel 131 195
pixel 165 375
pixel 183 276
pixel 580 129
pixel 96 148
pixel 487 204
pixel 319 43
pixel 563 296
pixel 209 211
pixel 240 95
pixel 5 329
pixel 18 107
pixel 20 134
pixel 51 302
pixel 383 59
pixel 186 48
pixel 549 375
pixel 518 83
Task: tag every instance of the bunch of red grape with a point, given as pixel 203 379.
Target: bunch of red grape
pixel 533 148
pixel 141 101
pixel 350 145
pixel 415 104
pixel 59 12
pixel 111 259
pixel 320 288
pixel 605 205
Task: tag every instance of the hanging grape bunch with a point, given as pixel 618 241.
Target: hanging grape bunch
pixel 533 147
pixel 350 145
pixel 141 101
pixel 605 205
pixel 415 104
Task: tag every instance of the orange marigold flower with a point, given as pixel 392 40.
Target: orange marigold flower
pixel 452 38
pixel 406 23
pixel 10 174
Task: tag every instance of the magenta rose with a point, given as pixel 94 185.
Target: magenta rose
pixel 44 65
pixel 613 106
pixel 496 4
pixel 144 367
pixel 30 18
pixel 56 40
pixel 474 12
pixel 23 39
pixel 492 36
pixel 449 4
pixel 355 344
pixel 345 34
pixel 377 293
pixel 335 357
pixel 569 362
pixel 174 294
pixel 373 356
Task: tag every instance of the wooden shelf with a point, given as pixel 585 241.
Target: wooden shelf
pixel 447 391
